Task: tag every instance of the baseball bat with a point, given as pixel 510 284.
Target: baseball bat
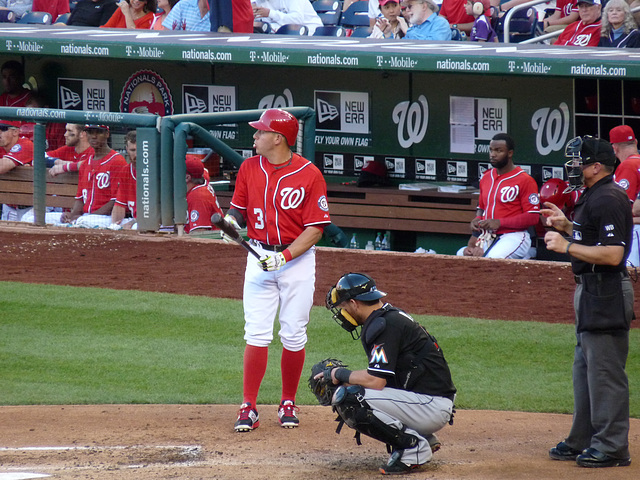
pixel 222 224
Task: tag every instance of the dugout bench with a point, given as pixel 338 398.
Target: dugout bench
pixel 16 188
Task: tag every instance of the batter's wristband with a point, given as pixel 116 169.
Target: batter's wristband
pixel 342 375
pixel 287 255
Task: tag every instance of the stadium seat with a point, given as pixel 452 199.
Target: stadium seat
pixel 329 11
pixel 293 29
pixel 36 18
pixel 356 15
pixel 456 34
pixel 7 16
pixel 330 31
pixel 64 18
pixel 522 26
pixel 263 27
pixel 360 32
pixel 72 4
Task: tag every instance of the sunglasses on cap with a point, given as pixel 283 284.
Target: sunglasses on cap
pixel 4 128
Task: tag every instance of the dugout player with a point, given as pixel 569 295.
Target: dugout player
pixel 282 197
pixel 508 205
pixel 14 151
pixel 76 149
pixel 627 175
pixel 202 202
pixel 406 393
pixel 598 245
pixel 123 214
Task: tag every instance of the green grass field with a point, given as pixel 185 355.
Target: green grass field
pixel 68 345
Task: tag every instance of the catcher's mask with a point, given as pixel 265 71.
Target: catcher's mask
pixel 352 286
pixel 583 151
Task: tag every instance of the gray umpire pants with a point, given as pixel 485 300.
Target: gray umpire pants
pixel 601 388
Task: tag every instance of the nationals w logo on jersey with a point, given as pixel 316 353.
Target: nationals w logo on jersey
pixel 291 197
pixel 103 180
pixel 509 193
pixel 582 40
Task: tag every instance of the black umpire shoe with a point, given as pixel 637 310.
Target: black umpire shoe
pixel 592 458
pixel 562 451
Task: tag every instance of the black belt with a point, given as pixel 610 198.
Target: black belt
pixel 271 248
pixel 578 278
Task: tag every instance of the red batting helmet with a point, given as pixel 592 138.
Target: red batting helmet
pixel 278 121
pixel 553 191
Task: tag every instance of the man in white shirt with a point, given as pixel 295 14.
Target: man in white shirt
pixel 286 12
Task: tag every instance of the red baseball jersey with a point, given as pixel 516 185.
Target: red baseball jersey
pixel 628 176
pixel 201 204
pixel 507 195
pixel 69 154
pixel 19 100
pixel 126 190
pixel 21 153
pixel 278 203
pixel 566 7
pixel 580 35
pixel 98 180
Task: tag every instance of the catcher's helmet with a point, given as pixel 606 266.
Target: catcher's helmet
pixel 553 191
pixel 278 121
pixel 352 286
pixel 584 151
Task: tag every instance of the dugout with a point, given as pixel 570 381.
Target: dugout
pixel 427 110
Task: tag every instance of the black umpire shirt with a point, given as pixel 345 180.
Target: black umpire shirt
pixel 602 217
pixel 405 354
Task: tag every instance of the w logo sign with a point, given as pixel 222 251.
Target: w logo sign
pixel 412 120
pixel 552 128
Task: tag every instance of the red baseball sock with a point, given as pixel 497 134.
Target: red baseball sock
pixel 255 366
pixel 291 365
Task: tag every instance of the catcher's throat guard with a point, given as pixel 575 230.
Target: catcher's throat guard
pixel 573 166
pixel 340 315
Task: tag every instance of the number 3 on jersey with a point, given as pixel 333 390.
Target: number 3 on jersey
pixel 259 224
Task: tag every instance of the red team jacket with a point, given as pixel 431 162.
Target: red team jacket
pixel 279 203
pixel 628 176
pixel 507 195
pixel 21 153
pixel 580 35
pixel 201 204
pixel 98 180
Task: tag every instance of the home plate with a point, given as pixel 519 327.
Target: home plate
pixel 21 476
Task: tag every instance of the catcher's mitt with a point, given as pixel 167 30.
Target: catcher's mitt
pixel 322 387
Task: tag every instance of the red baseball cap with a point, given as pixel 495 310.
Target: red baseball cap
pixel 195 167
pixel 10 123
pixel 620 134
pixel 384 2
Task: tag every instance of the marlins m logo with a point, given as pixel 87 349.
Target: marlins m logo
pixel 378 355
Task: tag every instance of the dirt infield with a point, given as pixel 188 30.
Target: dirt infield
pixel 147 442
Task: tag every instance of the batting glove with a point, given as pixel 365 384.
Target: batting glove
pixel 271 263
pixel 231 220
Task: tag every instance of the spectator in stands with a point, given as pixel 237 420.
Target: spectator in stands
pixel 165 6
pixel 586 31
pixel 97 183
pixel 454 11
pixel 19 7
pixel 54 132
pixel 391 24
pixel 566 12
pixel 619 28
pixel 425 22
pixel 92 13
pixel 201 199
pixel 190 15
pixel 231 16
pixel 285 12
pixel 482 30
pixel 75 151
pixel 14 95
pixel 54 7
pixel 132 14
pixel 14 151
pixel 123 215
pixel 508 206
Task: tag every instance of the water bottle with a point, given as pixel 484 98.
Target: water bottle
pixel 369 245
pixel 354 242
pixel 384 245
pixel 378 245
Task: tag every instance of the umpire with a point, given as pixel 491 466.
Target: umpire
pixel 603 302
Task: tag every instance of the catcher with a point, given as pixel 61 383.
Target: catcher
pixel 405 395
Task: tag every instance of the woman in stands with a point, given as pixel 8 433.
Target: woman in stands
pixel 166 6
pixel 619 29
pixel 132 14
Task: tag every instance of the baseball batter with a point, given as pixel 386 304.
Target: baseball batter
pixel 406 393
pixel 282 198
pixel 509 204
pixel 627 175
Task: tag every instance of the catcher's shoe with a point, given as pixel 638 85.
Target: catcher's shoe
pixel 434 442
pixel 395 467
pixel 287 414
pixel 248 418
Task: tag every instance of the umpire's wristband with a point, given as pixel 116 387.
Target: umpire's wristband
pixel 342 375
